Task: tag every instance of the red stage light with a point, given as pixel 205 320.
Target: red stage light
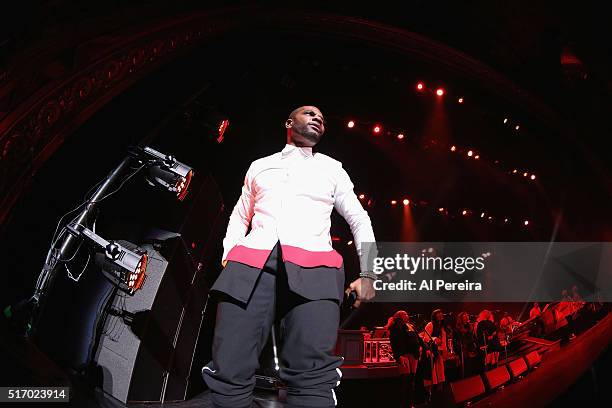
pixel 460 100
pixel 420 86
pixel 393 202
pixel 221 130
pixel 350 124
pixel 439 91
pixel 377 129
pixel 136 278
pixel 361 196
pixel 477 157
pixel 182 185
pixel 400 136
pixel 406 201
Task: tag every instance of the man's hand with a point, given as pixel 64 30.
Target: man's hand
pixel 364 288
pixel 224 262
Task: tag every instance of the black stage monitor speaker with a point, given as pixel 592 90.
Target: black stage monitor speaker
pixel 148 342
pixel 467 389
pixel 496 377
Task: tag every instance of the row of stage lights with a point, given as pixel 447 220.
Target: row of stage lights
pixel 472 154
pixel 446 212
pixel 377 129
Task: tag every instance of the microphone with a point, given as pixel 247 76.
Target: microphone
pixel 351 298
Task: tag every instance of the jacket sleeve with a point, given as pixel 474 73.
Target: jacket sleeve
pixel 348 206
pixel 242 213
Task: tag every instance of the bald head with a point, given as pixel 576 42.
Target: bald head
pixel 305 126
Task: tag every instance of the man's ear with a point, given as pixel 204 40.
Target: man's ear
pixel 288 123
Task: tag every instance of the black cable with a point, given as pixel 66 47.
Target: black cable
pixel 120 185
pixel 88 201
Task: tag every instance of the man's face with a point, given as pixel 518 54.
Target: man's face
pixel 307 125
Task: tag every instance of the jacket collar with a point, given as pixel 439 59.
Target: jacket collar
pixel 292 149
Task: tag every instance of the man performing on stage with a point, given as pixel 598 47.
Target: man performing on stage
pixel 286 270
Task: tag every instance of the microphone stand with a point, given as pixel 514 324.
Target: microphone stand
pixel 462 358
pixel 486 347
pixel 431 363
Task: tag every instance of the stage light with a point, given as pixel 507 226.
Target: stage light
pixel 393 202
pixel 377 129
pixel 349 243
pixel 460 100
pixel 441 209
pixel 406 201
pixel 464 212
pixel 420 86
pixel 514 171
pixel 490 218
pixel 127 267
pixel 470 153
pixel 168 173
pixel 439 91
pixel 526 222
pixel 505 220
pixel 361 196
pixel 533 177
pixel 525 174
pixel 482 215
pixel 505 120
pixel 400 136
pixel 221 129
pixel 350 124
pixel 477 157
pixel 453 148
pixel 516 127
pixel 205 120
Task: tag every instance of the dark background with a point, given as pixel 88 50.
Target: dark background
pixel 256 75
